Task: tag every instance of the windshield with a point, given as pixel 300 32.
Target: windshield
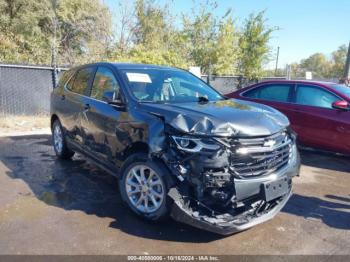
pixel 345 90
pixel 168 86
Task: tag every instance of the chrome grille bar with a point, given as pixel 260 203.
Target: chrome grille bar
pixel 260 156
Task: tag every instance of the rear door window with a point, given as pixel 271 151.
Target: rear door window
pixel 81 81
pixel 275 92
pixel 314 96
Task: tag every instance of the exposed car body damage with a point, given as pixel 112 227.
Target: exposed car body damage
pixel 228 163
pixel 222 118
pixel 208 193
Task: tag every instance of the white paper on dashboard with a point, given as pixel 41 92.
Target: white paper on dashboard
pixel 138 77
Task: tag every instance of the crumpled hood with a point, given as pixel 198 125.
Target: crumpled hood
pixel 222 118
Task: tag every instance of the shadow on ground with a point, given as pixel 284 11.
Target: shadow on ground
pixel 325 160
pixel 79 185
pixel 333 214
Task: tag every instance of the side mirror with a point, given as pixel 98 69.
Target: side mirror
pixel 110 98
pixel 341 105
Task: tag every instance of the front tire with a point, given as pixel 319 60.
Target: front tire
pixel 59 141
pixel 144 187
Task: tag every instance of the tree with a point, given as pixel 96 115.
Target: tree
pixel 338 61
pixel 146 32
pixel 212 41
pixel 296 71
pixel 321 66
pixel 152 28
pixel 226 50
pixel 200 31
pixel 317 64
pixel 125 28
pixel 21 37
pixel 27 29
pixel 253 45
pixel 154 39
pixel 84 31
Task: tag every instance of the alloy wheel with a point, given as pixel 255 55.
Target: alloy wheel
pixel 144 189
pixel 58 138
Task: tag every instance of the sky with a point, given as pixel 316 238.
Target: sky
pixel 305 26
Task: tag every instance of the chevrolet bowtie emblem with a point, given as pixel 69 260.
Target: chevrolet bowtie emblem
pixel 269 143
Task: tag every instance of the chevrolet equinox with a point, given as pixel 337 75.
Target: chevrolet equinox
pixel 177 146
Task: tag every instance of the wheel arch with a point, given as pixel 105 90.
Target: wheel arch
pixel 143 148
pixel 136 147
pixel 54 117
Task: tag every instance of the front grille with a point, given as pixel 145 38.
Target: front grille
pixel 253 157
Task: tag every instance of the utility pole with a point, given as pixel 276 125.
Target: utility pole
pixel 278 53
pixel 347 66
pixel 54 43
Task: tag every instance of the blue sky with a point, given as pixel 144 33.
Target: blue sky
pixel 306 26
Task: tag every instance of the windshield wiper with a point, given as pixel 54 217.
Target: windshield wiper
pixel 151 102
pixel 203 99
pixel 225 97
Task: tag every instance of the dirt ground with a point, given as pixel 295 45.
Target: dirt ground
pixel 10 125
pixel 49 206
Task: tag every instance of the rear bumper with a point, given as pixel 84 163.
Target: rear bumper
pixel 231 222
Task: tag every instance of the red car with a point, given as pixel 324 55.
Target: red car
pixel 319 112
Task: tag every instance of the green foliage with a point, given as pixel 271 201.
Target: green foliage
pixel 213 41
pixel 338 61
pixel 200 31
pixel 253 45
pixel 21 37
pixel 296 70
pixel 84 30
pixel 152 30
pixel 27 31
pixel 321 66
pixel 146 32
pixel 317 64
pixel 140 54
pixel 155 39
pixel 227 50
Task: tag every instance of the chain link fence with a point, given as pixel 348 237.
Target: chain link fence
pixel 25 90
pixel 228 84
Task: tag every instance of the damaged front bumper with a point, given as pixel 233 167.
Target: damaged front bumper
pixel 257 200
pixel 224 225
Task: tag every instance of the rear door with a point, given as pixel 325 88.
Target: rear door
pixel 74 100
pixel 101 122
pixel 316 122
pixel 277 95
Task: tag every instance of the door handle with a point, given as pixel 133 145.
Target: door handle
pixel 86 107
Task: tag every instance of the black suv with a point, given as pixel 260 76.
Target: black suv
pixel 177 146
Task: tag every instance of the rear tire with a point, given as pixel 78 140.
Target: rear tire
pixel 59 141
pixel 144 187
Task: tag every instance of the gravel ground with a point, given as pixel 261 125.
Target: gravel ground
pixel 49 206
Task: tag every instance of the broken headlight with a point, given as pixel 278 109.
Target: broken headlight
pixel 193 145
